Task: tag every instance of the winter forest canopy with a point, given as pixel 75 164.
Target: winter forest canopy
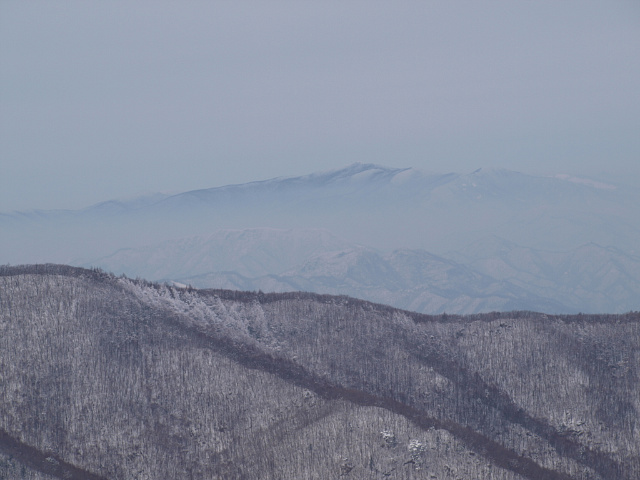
pixel 106 377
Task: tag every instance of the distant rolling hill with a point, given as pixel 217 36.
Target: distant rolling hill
pixel 412 233
pixel 589 278
pixel 490 275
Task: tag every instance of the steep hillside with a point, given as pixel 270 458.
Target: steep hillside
pixel 108 378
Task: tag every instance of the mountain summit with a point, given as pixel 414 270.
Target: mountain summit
pixel 385 208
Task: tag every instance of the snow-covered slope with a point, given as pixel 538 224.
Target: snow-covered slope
pixel 490 274
pixel 252 252
pixel 110 378
pixel 410 279
pixel 590 278
pixel 274 260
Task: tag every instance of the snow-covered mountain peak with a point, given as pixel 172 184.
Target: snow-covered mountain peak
pixel 358 172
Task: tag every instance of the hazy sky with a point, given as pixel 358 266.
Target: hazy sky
pixel 109 99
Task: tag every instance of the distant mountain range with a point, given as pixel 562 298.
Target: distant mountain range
pixel 490 275
pixel 590 278
pixel 460 243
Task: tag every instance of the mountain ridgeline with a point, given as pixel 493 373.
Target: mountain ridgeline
pixel 385 208
pixel 103 377
pixel 457 243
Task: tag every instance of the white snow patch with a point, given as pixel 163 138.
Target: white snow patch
pixel 585 181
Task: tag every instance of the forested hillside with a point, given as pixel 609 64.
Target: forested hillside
pixel 103 377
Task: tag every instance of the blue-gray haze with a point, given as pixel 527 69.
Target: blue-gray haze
pixel 100 100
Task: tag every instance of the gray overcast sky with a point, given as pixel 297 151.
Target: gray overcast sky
pixel 100 100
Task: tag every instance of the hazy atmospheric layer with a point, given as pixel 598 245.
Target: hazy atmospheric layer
pixel 382 207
